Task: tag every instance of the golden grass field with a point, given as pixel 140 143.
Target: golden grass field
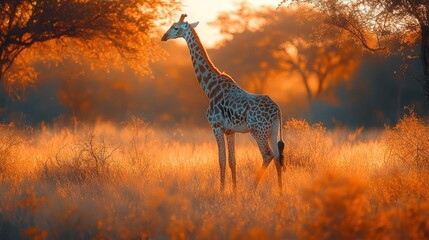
pixel 135 181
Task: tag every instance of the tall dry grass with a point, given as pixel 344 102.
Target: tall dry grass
pixel 134 181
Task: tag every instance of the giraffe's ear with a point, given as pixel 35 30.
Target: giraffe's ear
pixel 194 25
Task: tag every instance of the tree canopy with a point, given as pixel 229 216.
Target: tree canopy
pixel 106 33
pixel 392 26
pixel 268 42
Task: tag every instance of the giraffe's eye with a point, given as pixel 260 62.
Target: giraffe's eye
pixel 176 28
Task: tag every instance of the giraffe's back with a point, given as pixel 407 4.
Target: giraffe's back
pixel 235 106
pixel 262 112
pixel 240 111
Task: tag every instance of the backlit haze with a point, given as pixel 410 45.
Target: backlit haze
pixel 207 11
pixel 103 132
pixel 267 51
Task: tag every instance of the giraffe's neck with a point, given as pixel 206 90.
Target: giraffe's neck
pixel 209 77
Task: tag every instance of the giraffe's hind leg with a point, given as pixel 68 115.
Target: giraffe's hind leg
pixel 230 139
pixel 266 152
pixel 279 175
pixel 277 153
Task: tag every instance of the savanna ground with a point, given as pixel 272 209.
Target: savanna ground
pixel 135 181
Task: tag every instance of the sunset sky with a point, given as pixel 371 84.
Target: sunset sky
pixel 207 11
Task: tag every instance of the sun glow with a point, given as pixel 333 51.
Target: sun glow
pixel 207 11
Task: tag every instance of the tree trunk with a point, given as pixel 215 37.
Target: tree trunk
pixel 426 92
pixel 3 101
pixel 425 63
pixel 307 86
pixel 3 98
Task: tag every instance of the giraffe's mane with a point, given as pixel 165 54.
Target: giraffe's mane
pixel 210 63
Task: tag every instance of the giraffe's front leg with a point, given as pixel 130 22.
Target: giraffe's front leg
pixel 220 138
pixel 230 139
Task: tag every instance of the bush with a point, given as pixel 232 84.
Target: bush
pixel 408 143
pixel 338 207
pixel 89 158
pixel 10 138
pixel 305 145
pixel 139 147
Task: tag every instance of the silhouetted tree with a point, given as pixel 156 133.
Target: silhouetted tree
pixel 107 32
pixel 379 25
pixel 266 42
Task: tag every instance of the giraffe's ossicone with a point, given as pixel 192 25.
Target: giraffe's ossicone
pixel 233 110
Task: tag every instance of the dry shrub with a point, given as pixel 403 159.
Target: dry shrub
pixel 406 167
pixel 343 206
pixel 140 146
pixel 338 207
pixel 305 145
pixel 408 143
pixel 393 185
pixel 10 138
pixel 408 220
pixel 88 158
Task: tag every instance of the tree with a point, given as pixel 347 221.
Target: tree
pixel 267 42
pixel 104 32
pixel 392 26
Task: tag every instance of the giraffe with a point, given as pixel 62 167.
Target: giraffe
pixel 233 110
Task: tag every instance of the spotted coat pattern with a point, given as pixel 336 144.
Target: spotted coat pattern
pixel 232 109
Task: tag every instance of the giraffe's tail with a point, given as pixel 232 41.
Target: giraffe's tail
pixel 280 143
pixel 277 140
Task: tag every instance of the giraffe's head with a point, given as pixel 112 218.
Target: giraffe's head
pixel 178 29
